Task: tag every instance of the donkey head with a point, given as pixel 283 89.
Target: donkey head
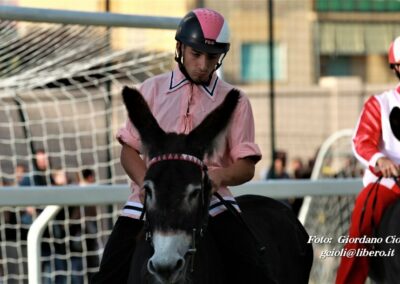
pixel 176 184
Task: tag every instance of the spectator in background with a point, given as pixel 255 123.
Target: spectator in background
pixel 59 177
pixel 297 168
pixel 299 171
pixel 278 171
pixel 40 167
pixel 57 249
pixel 20 171
pixel 350 169
pixel 88 177
pixel 278 167
pixel 38 177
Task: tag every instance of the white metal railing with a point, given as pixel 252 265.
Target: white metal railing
pixel 106 194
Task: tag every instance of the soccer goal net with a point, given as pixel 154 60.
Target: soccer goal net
pixel 60 93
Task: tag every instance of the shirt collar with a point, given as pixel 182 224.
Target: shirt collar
pixel 177 80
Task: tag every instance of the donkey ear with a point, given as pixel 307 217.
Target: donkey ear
pixel 202 139
pixel 141 117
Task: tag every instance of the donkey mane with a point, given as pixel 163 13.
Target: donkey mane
pixel 198 142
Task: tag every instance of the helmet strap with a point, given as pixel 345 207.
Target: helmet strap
pixel 220 61
pixel 179 60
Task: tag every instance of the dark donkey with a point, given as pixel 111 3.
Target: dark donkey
pixel 385 269
pixel 177 197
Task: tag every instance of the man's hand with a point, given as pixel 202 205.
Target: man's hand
pixel 215 178
pixel 387 167
pixel 241 171
pixel 142 194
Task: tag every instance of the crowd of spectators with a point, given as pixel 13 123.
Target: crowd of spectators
pixel 347 167
pixel 69 237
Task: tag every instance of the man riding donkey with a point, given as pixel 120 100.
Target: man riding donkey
pixel 376 144
pixel 180 100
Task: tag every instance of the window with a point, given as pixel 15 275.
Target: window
pixel 255 62
pixel 343 66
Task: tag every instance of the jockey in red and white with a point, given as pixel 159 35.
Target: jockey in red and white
pixel 180 100
pixel 376 144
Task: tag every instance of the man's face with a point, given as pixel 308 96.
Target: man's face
pixel 42 161
pixel 19 172
pixel 199 65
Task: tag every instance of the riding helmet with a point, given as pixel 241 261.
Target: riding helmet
pixel 204 30
pixel 394 52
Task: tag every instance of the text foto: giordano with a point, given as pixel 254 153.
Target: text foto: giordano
pixel 368 240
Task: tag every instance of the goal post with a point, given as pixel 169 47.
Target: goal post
pixel 319 161
pixel 328 217
pixel 86 18
pixel 34 242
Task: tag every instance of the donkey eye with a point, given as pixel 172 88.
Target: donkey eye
pixel 148 191
pixel 147 186
pixel 194 194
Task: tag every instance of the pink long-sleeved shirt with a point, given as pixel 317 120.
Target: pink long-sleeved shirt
pixel 179 106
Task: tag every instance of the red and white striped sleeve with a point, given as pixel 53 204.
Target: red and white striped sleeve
pixel 368 133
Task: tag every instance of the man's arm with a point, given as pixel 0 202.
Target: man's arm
pixel 368 134
pixel 133 164
pixel 367 138
pixel 241 171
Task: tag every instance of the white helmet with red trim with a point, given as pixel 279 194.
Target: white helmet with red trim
pixel 204 30
pixel 394 52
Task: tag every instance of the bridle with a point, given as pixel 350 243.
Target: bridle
pixel 202 216
pixel 179 157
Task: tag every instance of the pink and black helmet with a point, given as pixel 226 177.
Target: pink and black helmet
pixel 204 30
